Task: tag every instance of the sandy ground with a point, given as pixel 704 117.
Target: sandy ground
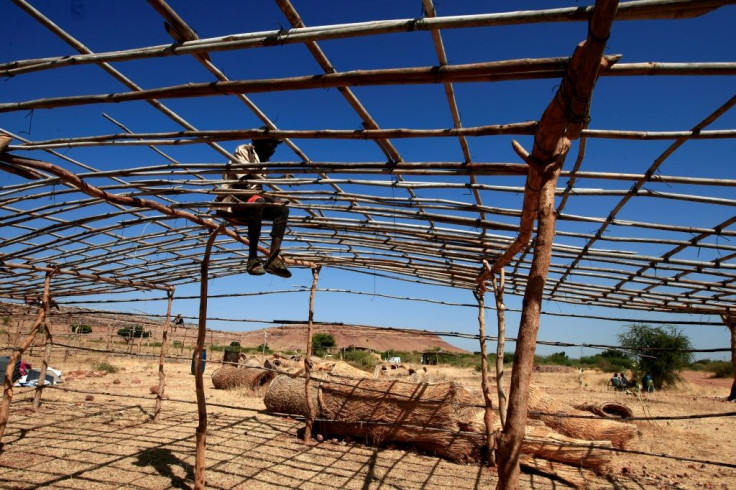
pixel 96 432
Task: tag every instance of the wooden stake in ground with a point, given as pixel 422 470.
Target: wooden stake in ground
pixel 485 382
pixel 8 381
pixel 46 355
pixel 162 357
pixel 501 317
pixel 199 463
pixel 730 320
pixel 562 121
pixel 311 409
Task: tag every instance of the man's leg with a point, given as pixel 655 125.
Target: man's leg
pixel 254 266
pixel 279 215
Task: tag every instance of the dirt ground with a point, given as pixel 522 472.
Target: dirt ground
pixel 94 431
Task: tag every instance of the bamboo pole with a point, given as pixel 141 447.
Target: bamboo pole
pixel 311 409
pixel 92 277
pixel 195 137
pixel 477 72
pixel 635 10
pixel 563 120
pixel 500 343
pixel 485 377
pixel 47 353
pixel 201 433
pixel 162 357
pixel 474 72
pixel 17 353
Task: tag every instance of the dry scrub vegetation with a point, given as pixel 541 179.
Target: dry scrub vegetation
pixel 94 431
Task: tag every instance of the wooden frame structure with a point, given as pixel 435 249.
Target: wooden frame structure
pixel 126 222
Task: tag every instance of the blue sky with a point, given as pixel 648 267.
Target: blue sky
pixel 636 103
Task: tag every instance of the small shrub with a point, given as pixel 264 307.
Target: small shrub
pixel 321 342
pixel 134 332
pixel 80 328
pixel 720 369
pixel 361 359
pixel 106 367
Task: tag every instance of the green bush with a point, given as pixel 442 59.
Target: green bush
pixel 661 351
pixel 134 332
pixel 80 328
pixel 361 359
pixel 609 361
pixel 720 369
pixel 320 343
pixel 106 367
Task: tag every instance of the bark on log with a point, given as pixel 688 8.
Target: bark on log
pixel 544 442
pixel 285 395
pixel 607 409
pixel 618 433
pixel 254 379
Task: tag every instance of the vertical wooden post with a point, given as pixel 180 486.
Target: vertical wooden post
pixel 162 357
pixel 730 322
pixel 109 336
pixel 484 380
pixel 732 395
pixel 199 464
pixel 8 380
pixel 501 318
pixel 140 339
pixel 311 409
pixel 47 352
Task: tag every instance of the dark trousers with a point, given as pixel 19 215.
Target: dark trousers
pixel 254 216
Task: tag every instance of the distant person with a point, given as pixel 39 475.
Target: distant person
pixel 256 206
pixel 616 382
pixel 647 384
pixel 624 382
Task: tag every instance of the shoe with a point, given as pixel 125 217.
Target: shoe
pixel 255 267
pixel 276 267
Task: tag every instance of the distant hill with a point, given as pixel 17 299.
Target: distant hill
pixel 294 337
pixel 104 325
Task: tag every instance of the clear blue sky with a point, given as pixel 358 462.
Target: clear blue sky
pixel 639 103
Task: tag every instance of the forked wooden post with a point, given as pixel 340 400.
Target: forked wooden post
pixel 311 409
pixel 162 357
pixel 563 120
pixel 8 380
pixel 46 354
pixel 484 380
pixel 501 318
pixel 199 464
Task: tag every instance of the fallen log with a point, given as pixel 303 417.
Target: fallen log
pixel 556 417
